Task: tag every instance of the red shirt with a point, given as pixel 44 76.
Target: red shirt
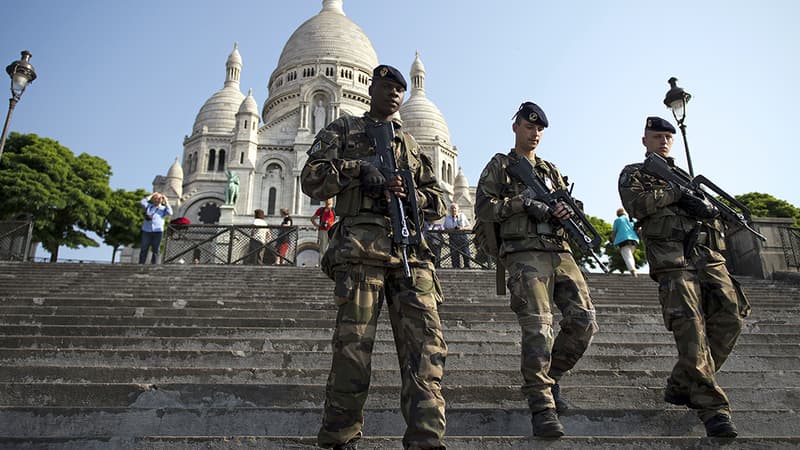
pixel 326 218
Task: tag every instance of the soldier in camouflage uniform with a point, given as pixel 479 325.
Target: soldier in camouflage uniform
pixel 541 271
pixel 364 263
pixel 701 303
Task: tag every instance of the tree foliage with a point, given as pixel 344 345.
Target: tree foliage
pixel 124 220
pixel 65 195
pixel 765 205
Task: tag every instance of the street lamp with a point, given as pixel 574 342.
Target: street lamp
pixel 21 73
pixel 676 100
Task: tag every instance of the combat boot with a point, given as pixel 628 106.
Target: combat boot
pixel 546 424
pixel 561 402
pixel 350 445
pixel 720 426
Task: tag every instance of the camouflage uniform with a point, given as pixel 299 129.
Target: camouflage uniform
pixel 701 303
pixel 541 270
pixel 367 271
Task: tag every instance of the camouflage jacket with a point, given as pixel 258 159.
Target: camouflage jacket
pixel 674 239
pixel 332 170
pixel 498 199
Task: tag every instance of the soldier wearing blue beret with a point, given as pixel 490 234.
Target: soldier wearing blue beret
pixel 702 304
pixel 541 269
pixel 367 268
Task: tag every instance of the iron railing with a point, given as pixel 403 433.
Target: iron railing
pixel 15 240
pixel 230 244
pixel 790 241
pixel 269 245
pixel 457 250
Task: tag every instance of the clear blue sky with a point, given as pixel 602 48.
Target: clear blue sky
pixel 124 80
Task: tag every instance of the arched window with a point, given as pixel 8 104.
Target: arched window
pixel 212 156
pixel 273 193
pixel 241 158
pixel 444 172
pixel 450 173
pixel 187 164
pixel 194 162
pixel 221 163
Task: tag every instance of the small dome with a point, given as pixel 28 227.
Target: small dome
pixel 249 104
pixel 420 116
pixel 461 193
pixel 218 114
pixel 461 180
pixel 175 170
pixel 235 57
pixel 329 35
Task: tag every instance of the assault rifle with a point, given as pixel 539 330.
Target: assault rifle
pixel 657 166
pixel 578 227
pixel 403 212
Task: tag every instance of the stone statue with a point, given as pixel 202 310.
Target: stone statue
pixel 319 116
pixel 232 188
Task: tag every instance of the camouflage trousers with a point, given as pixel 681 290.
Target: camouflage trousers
pixel 537 279
pixel 360 292
pixel 704 309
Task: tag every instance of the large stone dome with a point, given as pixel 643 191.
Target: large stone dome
pixel 329 35
pixel 218 113
pixel 420 116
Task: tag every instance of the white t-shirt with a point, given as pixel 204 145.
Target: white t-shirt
pixel 260 233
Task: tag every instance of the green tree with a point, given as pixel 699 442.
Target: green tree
pixel 765 205
pixel 124 220
pixel 66 196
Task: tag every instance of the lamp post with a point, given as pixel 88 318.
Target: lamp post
pixel 676 100
pixel 21 73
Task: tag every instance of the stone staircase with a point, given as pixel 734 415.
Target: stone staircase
pixel 187 357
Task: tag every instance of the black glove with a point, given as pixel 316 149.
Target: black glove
pixel 372 180
pixel 539 211
pixel 697 205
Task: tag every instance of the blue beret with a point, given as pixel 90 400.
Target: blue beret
pixel 658 124
pixel 389 73
pixel 532 113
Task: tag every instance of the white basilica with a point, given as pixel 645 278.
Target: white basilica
pixel 323 72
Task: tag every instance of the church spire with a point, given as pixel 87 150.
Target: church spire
pixel 417 77
pixel 233 67
pixel 332 6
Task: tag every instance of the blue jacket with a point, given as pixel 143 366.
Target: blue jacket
pixel 623 230
pixel 157 214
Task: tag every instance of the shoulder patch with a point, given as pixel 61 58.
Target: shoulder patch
pixel 317 146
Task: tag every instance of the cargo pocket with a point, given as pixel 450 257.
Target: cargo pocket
pixel 356 295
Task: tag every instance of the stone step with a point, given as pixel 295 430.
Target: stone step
pixel 324 345
pixel 301 421
pixel 510 333
pixel 653 379
pixel 654 325
pixel 317 360
pixel 199 395
pixel 183 310
pixel 149 306
pixel 383 443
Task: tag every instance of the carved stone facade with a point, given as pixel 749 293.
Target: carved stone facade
pixel 324 71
